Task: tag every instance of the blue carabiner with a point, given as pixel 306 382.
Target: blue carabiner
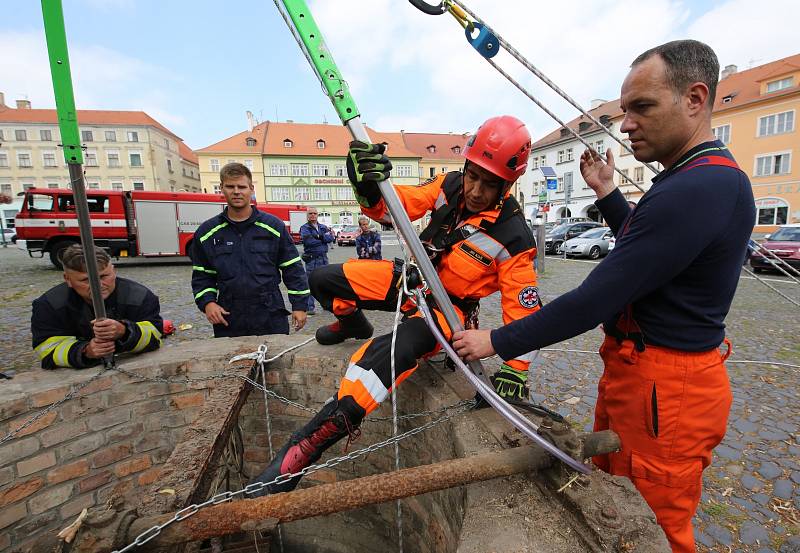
pixel 485 43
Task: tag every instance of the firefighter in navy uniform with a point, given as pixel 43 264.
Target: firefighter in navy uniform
pixel 481 244
pixel 65 332
pixel 238 259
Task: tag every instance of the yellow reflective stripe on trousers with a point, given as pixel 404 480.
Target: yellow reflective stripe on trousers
pixel 287 263
pixel 298 292
pixel 61 353
pixel 148 331
pixel 203 269
pixel 269 228
pixel 207 290
pixel 207 235
pixel 45 348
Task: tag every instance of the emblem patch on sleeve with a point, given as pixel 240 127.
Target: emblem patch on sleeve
pixel 529 297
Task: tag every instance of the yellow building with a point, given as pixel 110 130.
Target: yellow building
pixel 439 153
pixel 245 147
pixel 755 114
pixel 125 150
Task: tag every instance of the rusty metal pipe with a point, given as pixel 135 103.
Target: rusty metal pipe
pixel 325 499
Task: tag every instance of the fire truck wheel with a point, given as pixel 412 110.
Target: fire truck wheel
pixel 56 250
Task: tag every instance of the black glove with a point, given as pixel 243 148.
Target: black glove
pixel 510 384
pixel 367 165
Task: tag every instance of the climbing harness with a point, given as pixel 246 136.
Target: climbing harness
pixel 487 44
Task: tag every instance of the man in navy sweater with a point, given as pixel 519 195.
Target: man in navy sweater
pixel 663 293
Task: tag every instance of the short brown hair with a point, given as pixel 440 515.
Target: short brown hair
pixel 74 259
pixel 687 62
pixel 233 170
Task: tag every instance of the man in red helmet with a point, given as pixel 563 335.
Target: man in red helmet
pixel 480 244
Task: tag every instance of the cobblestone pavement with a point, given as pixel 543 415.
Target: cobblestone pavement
pixel 751 500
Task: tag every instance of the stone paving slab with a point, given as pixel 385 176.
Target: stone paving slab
pixel 751 500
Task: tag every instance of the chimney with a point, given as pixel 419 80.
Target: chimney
pixel 728 71
pixel 597 102
pixel 251 120
pixel 23 104
pixel 2 100
pixel 290 120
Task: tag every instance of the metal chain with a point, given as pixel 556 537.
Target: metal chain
pixel 71 394
pixel 256 487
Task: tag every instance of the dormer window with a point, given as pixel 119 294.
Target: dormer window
pixel 287 143
pixel 583 125
pixel 251 142
pixel 775 86
pixel 431 149
pixel 605 120
pixel 321 144
pixel 564 132
pixel 727 99
pixel 456 149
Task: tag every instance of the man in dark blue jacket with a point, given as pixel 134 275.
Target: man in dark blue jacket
pixel 663 293
pixel 368 241
pixel 65 330
pixel 315 237
pixel 238 259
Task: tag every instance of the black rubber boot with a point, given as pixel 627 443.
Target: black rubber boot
pixel 306 446
pixel 354 325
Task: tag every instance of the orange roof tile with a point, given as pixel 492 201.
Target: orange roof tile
pixel 85 117
pixel 237 144
pixel 745 87
pixel 443 145
pixel 611 109
pixel 186 153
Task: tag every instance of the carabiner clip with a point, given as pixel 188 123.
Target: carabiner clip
pixel 485 43
pixel 429 9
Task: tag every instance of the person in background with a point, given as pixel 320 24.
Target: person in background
pixel 239 258
pixel 66 332
pixel 315 237
pixel 664 293
pixel 368 242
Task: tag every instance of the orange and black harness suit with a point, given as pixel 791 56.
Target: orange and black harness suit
pixel 485 252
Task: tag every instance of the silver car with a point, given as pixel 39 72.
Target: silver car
pixel 592 244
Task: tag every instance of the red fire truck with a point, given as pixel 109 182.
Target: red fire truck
pixel 127 224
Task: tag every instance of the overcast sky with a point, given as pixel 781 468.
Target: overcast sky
pixel 197 66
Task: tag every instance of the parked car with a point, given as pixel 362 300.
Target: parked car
pixel 347 236
pixel 10 235
pixel 559 234
pixel 592 244
pixel 784 243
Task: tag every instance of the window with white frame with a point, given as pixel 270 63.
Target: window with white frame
pixel 249 164
pixel 402 171
pixel 116 186
pixel 542 160
pixel 46 135
pixel 250 142
pixel 722 133
pixel 87 136
pixel 773 164
pixel 21 135
pixel 214 165
pixel 322 193
pixel 217 188
pixel 52 185
pixel 49 158
pixel 299 169
pixel 111 136
pixel 560 186
pixel 638 174
pixel 94 185
pixel 27 186
pixel 1 135
pixel 623 151
pixel 776 123
pixel 339 170
pixel 135 159
pixel 771 211
pixel 279 169
pixel 133 136
pixel 623 179
pixel 3 159
pixel 535 162
pixel 321 144
pixel 562 156
pixel 780 84
pixel 281 194
pixel 600 147
pixel 24 159
pixel 112 157
pixel 319 170
pixel 5 188
pixel 345 193
pixel 456 149
pixel 301 194
pixel 570 155
pixel 90 158
pixel 287 143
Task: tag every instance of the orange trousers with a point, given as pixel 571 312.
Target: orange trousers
pixel 670 409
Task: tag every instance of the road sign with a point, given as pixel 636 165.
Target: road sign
pixel 552 184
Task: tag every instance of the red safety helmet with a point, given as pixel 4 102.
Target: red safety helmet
pixel 169 327
pixel 501 146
